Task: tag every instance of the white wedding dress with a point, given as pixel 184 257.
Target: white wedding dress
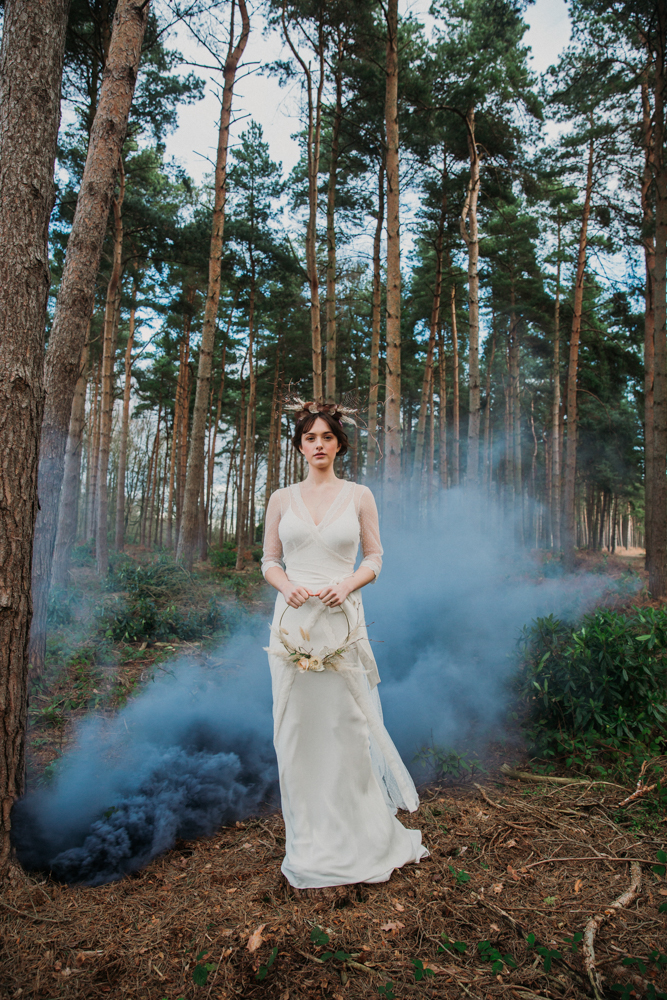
pixel 341 777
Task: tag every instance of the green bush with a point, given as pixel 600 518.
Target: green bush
pixel 605 675
pixel 224 558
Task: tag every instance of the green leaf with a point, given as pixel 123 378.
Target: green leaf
pixel 662 908
pixel 319 937
pixel 200 975
pixel 550 900
pixel 662 857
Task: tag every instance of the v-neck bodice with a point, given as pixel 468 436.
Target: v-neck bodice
pixel 320 553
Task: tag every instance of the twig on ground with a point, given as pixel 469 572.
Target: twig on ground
pixel 594 924
pixel 32 916
pixel 598 857
pixel 347 961
pixel 551 779
pixel 642 790
pixel 516 924
pixel 496 805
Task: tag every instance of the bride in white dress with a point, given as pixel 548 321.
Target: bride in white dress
pixel 341 777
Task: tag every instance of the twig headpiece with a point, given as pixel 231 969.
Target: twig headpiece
pixel 344 414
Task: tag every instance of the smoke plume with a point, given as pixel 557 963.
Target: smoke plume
pixel 194 750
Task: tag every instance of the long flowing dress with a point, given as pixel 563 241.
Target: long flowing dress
pixel 341 777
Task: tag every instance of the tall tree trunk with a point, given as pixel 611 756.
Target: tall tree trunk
pixel 442 409
pixel 249 436
pixel 68 511
pixel 111 317
pixel 555 409
pixel 31 63
pixel 125 425
pixel 93 453
pixel 658 530
pixel 487 411
pixel 376 322
pixel 188 536
pixel 273 459
pixel 427 384
pixel 648 241
pixel 221 389
pixel 76 295
pixel 571 443
pixel 471 239
pixel 313 142
pixel 456 432
pixel 331 339
pixel 392 464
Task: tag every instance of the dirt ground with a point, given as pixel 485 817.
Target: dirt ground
pixel 215 918
pixel 515 873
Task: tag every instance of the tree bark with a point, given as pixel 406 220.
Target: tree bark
pixel 488 463
pixel 376 321
pixel 471 240
pixel 249 437
pixel 648 241
pixel 187 539
pixel 31 63
pixel 68 511
pixel 331 339
pixel 568 527
pixel 76 296
pixel 92 454
pixel 111 317
pixel 125 426
pixel 392 465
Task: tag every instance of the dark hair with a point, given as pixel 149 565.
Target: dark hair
pixel 305 421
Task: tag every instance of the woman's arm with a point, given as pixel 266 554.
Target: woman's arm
pixel 272 557
pixel 371 547
pixel 335 593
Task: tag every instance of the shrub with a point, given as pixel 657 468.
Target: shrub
pixel 605 675
pixel 224 558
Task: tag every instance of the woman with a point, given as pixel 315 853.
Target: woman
pixel 341 778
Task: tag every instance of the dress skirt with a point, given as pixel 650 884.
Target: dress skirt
pixel 339 828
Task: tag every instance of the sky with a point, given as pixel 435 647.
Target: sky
pixel 277 109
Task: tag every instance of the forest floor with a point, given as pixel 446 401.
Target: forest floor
pixel 517 869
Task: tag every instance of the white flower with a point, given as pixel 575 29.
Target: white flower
pixel 303 663
pixel 316 663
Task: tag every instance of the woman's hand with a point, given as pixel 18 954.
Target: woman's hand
pixel 295 595
pixel 334 594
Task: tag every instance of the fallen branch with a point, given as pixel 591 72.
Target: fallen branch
pixel 509 772
pixel 594 924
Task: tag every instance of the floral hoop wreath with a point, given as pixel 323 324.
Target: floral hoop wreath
pixel 308 659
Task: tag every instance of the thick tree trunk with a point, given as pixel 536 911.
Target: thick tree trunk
pixel 392 462
pixel 31 62
pixel 125 426
pixel 76 296
pixel 376 322
pixel 555 411
pixel 187 539
pixel 456 425
pixel 568 537
pixel 471 238
pixel 68 511
pixel 111 318
pixel 658 516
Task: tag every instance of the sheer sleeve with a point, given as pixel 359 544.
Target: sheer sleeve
pixel 369 524
pixel 273 547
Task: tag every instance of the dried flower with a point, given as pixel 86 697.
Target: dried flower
pixel 303 663
pixel 316 663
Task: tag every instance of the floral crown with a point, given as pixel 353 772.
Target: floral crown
pixel 344 414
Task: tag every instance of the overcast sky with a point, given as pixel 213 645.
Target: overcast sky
pixel 276 109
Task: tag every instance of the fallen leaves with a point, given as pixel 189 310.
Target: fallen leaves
pixel 255 939
pixel 392 925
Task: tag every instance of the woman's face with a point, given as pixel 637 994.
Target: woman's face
pixel 319 445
